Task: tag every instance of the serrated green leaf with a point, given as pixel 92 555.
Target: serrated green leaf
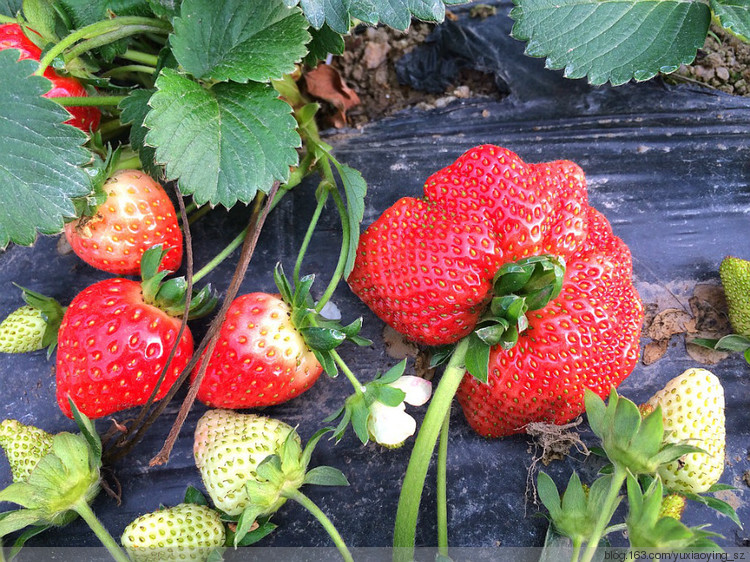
pixel 733 15
pixel 324 41
pixel 355 189
pixel 35 198
pixel 394 13
pixel 165 9
pixel 612 40
pixel 239 40
pixel 134 110
pixel 195 496
pixel 322 339
pixel 10 7
pixel 224 143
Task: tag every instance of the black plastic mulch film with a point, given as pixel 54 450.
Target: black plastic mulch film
pixel 668 166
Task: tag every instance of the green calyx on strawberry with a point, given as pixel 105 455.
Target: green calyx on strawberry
pixel 735 278
pixel 184 532
pixel 252 464
pixel 272 348
pixel 649 527
pixel 117 335
pixel 31 327
pixel 58 478
pixel 427 267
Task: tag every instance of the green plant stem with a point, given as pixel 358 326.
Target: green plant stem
pixel 190 207
pixel 131 163
pixel 576 550
pixel 323 519
pixel 411 490
pixel 308 235
pixel 203 211
pixel 220 257
pixel 84 510
pixel 107 38
pixel 111 127
pixel 343 253
pixel 618 478
pixel 96 29
pixel 358 388
pixel 89 100
pixel 128 68
pixel 442 485
pixel 141 57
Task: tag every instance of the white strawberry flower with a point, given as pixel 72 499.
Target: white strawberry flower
pixel 391 426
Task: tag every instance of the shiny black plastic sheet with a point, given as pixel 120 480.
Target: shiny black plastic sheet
pixel 670 168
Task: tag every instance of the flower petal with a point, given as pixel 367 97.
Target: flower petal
pixel 416 389
pixel 390 426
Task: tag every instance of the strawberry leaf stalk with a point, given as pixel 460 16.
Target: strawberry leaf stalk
pixel 251 465
pixel 56 481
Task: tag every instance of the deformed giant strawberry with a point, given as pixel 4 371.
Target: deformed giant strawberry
pixel 512 256
pixel 136 215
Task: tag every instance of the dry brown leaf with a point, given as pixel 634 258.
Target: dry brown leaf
pixel 325 82
pixel 668 323
pixel 655 350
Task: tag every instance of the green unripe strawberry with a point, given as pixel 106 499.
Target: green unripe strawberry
pixel 187 532
pixel 24 445
pixel 693 412
pixel 228 448
pixel 735 277
pixel 22 330
pixel 672 505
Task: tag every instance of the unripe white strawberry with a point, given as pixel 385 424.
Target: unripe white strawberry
pixel 22 330
pixel 228 448
pixel 186 532
pixel 693 411
pixel 24 445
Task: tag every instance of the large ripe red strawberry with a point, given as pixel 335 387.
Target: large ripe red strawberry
pixel 86 118
pixel 136 215
pixel 586 337
pixel 115 339
pixel 260 359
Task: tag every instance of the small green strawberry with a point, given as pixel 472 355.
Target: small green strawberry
pixel 252 464
pixel 735 277
pixel 22 330
pixel 185 532
pixel 24 445
pixel 693 412
pixel 672 505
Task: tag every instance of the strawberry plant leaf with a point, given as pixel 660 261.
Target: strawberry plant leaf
pixel 166 9
pixel 35 198
pixel 134 110
pixel 224 143
pixel 477 358
pixel 325 476
pixel 239 40
pixel 608 40
pixel 733 15
pixel 548 494
pixel 393 374
pixel 324 41
pixel 10 7
pixel 195 496
pixel 355 189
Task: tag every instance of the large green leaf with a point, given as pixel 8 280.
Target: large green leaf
pixel 223 143
pixel 612 40
pixel 733 15
pixel 134 110
pixel 10 7
pixel 394 13
pixel 40 158
pixel 239 40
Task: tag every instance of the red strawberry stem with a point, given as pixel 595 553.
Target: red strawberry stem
pixel 413 484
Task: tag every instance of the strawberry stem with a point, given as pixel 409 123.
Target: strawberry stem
pixel 358 388
pixel 442 496
pixel 82 508
pixel 413 484
pixel 141 57
pixel 308 236
pixel 109 37
pixel 88 100
pixel 344 251
pixel 618 478
pixel 101 28
pixel 221 256
pixel 323 519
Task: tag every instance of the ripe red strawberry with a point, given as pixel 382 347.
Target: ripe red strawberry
pixel 116 336
pixel 136 215
pixel 86 118
pixel 586 337
pixel 260 358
